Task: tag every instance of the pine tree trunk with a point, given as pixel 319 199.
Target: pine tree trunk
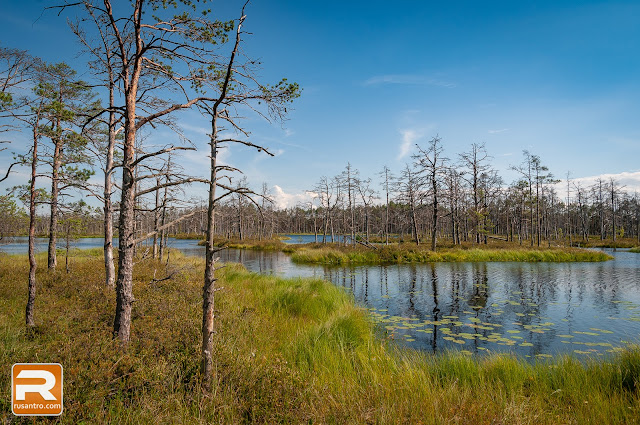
pixel 52 261
pixel 126 225
pixel 156 222
pixel 31 299
pixel 109 266
pixel 208 290
pixel 163 233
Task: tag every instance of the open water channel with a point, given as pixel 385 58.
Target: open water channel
pixel 533 309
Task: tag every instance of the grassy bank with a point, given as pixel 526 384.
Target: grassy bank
pixel 187 236
pixel 287 351
pixel 596 242
pixel 635 249
pixel 407 254
pixel 316 253
pixel 262 245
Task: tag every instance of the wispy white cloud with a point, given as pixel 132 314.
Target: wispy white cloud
pixel 409 138
pixel 502 130
pixel 409 79
pixel 628 181
pixel 283 199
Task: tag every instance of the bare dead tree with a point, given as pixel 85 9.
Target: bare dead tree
pixel 387 180
pixel 614 192
pixel 329 199
pixel 367 196
pixel 431 163
pixel 408 187
pixel 103 50
pixel 526 169
pixel 349 179
pixel 453 182
pixel 237 87
pixel 476 162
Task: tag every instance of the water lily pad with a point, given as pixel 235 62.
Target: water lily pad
pixel 601 330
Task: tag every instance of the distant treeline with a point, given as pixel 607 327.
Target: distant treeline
pixel 473 205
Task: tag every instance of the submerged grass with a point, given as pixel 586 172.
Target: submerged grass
pixel 405 254
pixel 286 351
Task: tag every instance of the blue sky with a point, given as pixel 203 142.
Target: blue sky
pixel 559 78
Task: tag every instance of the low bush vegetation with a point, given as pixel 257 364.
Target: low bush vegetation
pixel 287 351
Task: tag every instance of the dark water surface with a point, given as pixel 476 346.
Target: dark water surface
pixel 532 309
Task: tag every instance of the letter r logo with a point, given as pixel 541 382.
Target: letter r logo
pixel 42 389
pixel 36 389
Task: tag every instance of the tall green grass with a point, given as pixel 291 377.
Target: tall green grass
pixel 262 245
pixel 286 351
pixel 391 254
pixel 635 249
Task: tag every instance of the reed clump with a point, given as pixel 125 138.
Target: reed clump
pixel 286 351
